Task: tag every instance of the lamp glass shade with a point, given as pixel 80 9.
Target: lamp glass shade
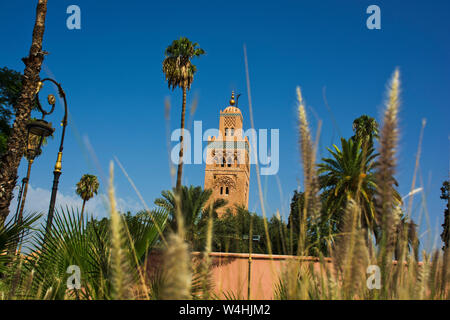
pixel 37 131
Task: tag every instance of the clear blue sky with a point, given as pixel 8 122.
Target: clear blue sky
pixel 111 72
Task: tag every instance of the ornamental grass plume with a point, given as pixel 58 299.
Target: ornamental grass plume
pixel 351 255
pixel 308 154
pixel 386 213
pixel 119 260
pixel 445 275
pixel 176 263
pixel 206 261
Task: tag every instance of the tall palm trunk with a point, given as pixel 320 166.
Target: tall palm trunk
pixel 180 164
pixel 82 211
pixel 10 160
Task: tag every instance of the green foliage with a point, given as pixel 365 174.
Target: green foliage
pixel 177 66
pixel 365 129
pixel 279 236
pixel 348 174
pixel 232 231
pixel 10 234
pixel 319 235
pixel 140 226
pixel 10 87
pixel 87 186
pixel 193 201
pixel 70 242
pixel 142 230
pixel 86 244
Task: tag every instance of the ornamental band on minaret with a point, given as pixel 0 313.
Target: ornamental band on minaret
pixel 227 171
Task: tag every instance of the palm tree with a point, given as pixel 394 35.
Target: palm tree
pixel 347 175
pixel 10 160
pixel 179 73
pixel 86 188
pixel 193 208
pixel 365 129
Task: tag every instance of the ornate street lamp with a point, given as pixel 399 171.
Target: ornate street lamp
pixel 57 172
pixel 37 131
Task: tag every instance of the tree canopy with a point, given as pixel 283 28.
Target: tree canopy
pixel 10 87
pixel 177 66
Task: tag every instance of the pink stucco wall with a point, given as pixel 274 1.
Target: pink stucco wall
pixel 230 273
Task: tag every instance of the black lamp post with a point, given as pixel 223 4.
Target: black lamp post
pixel 57 172
pixel 19 199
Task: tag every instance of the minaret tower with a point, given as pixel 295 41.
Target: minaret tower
pixel 227 171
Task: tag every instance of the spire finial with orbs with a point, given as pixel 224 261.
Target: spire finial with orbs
pixel 232 102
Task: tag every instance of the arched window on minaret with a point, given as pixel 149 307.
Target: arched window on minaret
pixel 227 192
pixel 232 131
pixel 229 161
